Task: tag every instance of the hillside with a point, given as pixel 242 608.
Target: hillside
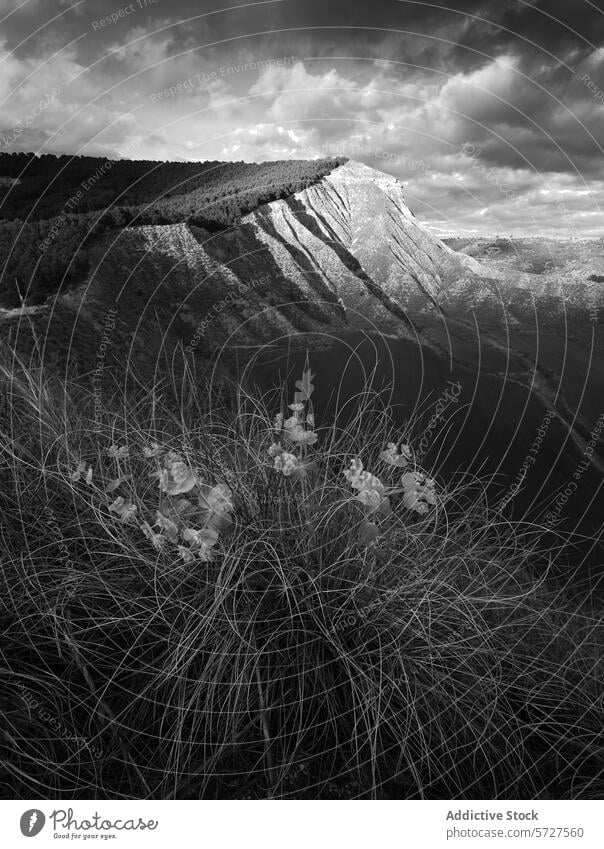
pixel 345 253
pixel 344 256
pixel 274 620
pixel 51 208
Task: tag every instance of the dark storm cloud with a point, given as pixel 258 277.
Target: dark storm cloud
pixel 489 27
pixel 521 84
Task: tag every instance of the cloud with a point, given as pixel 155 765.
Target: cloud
pixel 54 107
pixel 400 85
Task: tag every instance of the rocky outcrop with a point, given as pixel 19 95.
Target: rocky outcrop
pixel 345 254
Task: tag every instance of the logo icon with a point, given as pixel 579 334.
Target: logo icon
pixel 32 822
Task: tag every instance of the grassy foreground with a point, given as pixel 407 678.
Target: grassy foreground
pixel 187 612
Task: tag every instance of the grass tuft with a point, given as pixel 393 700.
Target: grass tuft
pixel 299 660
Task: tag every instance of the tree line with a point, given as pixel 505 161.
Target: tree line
pixel 53 207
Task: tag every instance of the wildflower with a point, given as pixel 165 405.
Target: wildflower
pixel 305 386
pixel 301 436
pixel 418 492
pixel 360 479
pixel 371 491
pixel 176 479
pixel 296 432
pixel 202 541
pixel 352 474
pixel 297 407
pixel 285 463
pixel 396 457
pixel 185 553
pixel 157 540
pixel 81 468
pixel 126 510
pixel 184 479
pixel 172 457
pixel 278 422
pixel 118 452
pixel 129 511
pixel 113 484
pixel 198 538
pixel 216 504
pixel 371 498
pixel 163 477
pixel 288 464
pixel 183 507
pixel 310 420
pixel 151 450
pixel 412 502
pixel 167 526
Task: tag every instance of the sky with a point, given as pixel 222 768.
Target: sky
pixel 490 112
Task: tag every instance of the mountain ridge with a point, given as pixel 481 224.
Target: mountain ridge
pixel 345 253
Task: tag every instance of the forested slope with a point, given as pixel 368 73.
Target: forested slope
pixel 52 207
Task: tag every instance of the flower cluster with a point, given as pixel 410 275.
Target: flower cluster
pixel 289 456
pixel 80 471
pixel 297 432
pixel 125 509
pixel 418 492
pixel 175 476
pixel 118 452
pixel 399 457
pixel 287 463
pixel 192 524
pixel 371 492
